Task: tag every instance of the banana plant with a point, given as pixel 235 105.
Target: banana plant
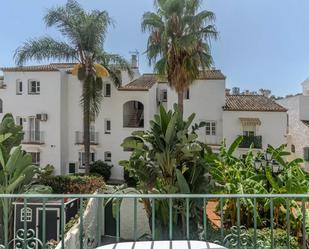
pixel 168 158
pixel 16 169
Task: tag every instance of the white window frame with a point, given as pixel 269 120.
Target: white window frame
pixel 107 156
pixel 106 130
pixel 81 158
pixel 19 121
pixel 36 88
pixel 28 214
pixel 210 128
pixel 35 155
pixel 105 90
pixel 19 87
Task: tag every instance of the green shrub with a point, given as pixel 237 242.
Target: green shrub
pixel 74 184
pixel 280 238
pixel 101 168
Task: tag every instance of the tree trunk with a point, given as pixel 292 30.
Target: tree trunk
pixel 86 120
pixel 180 101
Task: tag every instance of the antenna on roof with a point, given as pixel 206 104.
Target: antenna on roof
pixel 134 58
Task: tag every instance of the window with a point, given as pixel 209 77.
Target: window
pixel 107 156
pixel 187 94
pixel 35 157
pixel 1 106
pixel 293 148
pixel 27 214
pixel 249 133
pixel 107 126
pixel 107 90
pixel 19 121
pixel 163 95
pixel 211 129
pixel 306 154
pixel 19 87
pixel 34 87
pixel 81 158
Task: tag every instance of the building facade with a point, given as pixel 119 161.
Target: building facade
pixel 45 100
pixel 298 130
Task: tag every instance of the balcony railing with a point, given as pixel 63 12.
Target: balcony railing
pixel 234 236
pixel 255 141
pixel 33 137
pixel 94 137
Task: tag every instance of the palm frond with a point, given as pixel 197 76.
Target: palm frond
pixel 114 64
pixel 45 48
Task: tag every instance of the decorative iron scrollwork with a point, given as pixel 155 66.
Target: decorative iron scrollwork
pixel 24 240
pixel 239 238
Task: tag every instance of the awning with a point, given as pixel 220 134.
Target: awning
pixel 250 121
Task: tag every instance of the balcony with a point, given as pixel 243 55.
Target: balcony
pixel 247 141
pixel 33 137
pixel 95 220
pixel 94 137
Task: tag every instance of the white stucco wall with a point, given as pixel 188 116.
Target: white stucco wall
pixel 112 109
pixel 206 100
pixel 25 105
pixel 272 129
pixel 298 132
pixel 60 99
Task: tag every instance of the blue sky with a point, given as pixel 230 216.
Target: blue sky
pixel 262 43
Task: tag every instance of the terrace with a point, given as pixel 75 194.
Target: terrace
pixel 91 227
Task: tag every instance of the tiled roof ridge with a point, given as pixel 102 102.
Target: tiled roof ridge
pixel 252 103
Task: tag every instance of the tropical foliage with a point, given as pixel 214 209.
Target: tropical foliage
pixel 16 168
pixel 178 43
pixel 84 35
pixel 169 159
pixel 239 176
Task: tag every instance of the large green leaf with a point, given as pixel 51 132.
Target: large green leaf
pixel 182 182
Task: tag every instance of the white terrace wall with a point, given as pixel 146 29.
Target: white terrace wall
pixel 273 126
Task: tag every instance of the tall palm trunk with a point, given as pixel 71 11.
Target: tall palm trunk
pixel 86 123
pixel 180 101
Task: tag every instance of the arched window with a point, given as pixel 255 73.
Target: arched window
pixel 133 114
pixel 1 106
pixel 26 214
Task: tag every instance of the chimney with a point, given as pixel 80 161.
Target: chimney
pixel 134 62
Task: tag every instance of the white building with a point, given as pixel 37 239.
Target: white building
pixel 45 100
pixel 298 132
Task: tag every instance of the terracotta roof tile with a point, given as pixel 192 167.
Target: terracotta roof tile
pixel 143 83
pixel 39 68
pixel 306 122
pixel 146 81
pixel 257 103
pixel 212 75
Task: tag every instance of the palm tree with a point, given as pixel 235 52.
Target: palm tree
pixel 84 35
pixel 178 43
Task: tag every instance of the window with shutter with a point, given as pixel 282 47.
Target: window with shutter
pixel 19 87
pixel 107 92
pixel 306 154
pixel 107 127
